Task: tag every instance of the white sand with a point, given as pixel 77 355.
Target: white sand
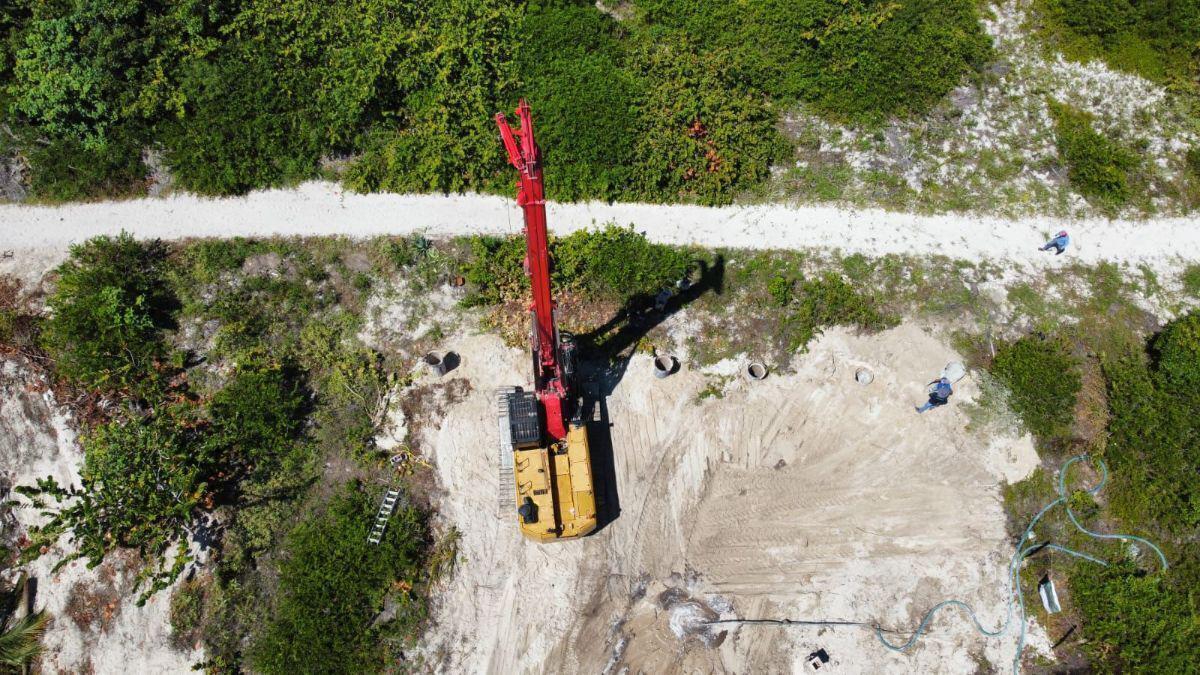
pixel 96 625
pixel 321 208
pixel 803 496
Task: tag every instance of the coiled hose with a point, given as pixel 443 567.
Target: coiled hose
pixel 1019 555
pixel 1014 588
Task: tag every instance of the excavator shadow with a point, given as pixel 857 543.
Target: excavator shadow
pixel 613 344
pixel 604 468
pixel 606 353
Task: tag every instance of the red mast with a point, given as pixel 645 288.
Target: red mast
pixel 523 154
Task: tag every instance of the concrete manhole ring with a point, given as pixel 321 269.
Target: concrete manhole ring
pixel 864 376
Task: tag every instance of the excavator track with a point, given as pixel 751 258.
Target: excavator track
pixel 506 491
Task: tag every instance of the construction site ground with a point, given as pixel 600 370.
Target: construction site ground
pixel 804 496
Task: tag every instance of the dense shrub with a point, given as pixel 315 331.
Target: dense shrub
pixel 1177 349
pixel 457 71
pixel 107 309
pixel 255 418
pixel 585 99
pixel 83 84
pixel 1157 39
pixel 145 478
pixel 1151 447
pixel 857 60
pixel 332 585
pixel 82 69
pixel 1044 380
pixel 1154 431
pixel 1135 622
pixel 1137 617
pixel 68 169
pixel 829 300
pixel 703 134
pixel 677 102
pixel 292 82
pixel 237 134
pixel 141 481
pixel 1098 166
pixel 617 262
pixel 613 263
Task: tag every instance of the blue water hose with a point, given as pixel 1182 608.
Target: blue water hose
pixel 1014 587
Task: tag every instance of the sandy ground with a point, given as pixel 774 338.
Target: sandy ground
pixel 37 233
pixel 96 625
pixel 805 496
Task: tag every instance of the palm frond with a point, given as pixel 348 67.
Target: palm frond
pixel 22 641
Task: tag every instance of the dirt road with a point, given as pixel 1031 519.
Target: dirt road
pixel 803 496
pixel 320 208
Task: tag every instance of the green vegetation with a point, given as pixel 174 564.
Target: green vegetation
pixel 1044 380
pixel 611 264
pixel 1193 161
pixel 333 583
pixel 20 642
pixel 1191 280
pixel 264 404
pixel 1099 167
pixel 678 101
pixel 1133 616
pixel 860 60
pixel 575 72
pixel 829 301
pixel 1157 39
pixel 229 373
pixel 1139 622
pixel 107 312
pixel 1154 430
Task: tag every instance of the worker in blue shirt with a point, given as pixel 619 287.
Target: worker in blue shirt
pixel 938 395
pixel 1058 243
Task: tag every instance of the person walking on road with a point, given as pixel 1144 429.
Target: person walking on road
pixel 1058 243
pixel 938 395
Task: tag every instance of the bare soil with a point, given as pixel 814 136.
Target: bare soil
pixel 805 496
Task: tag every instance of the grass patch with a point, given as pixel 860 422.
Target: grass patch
pixel 1099 167
pixel 1159 40
pixel 1043 378
pixel 1191 281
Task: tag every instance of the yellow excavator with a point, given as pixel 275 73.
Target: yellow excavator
pixel 545 464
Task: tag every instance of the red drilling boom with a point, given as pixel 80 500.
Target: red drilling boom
pixel 553 389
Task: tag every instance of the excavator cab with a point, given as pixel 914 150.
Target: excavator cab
pixel 549 484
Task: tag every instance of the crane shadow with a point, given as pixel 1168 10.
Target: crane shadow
pixel 606 353
pixel 608 349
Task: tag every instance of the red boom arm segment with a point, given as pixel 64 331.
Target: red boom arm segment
pixel 523 154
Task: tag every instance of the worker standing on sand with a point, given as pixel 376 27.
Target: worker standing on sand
pixel 1058 243
pixel 939 395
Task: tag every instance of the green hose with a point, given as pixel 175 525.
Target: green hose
pixel 1021 554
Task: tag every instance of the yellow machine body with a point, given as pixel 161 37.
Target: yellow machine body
pixel 558 479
